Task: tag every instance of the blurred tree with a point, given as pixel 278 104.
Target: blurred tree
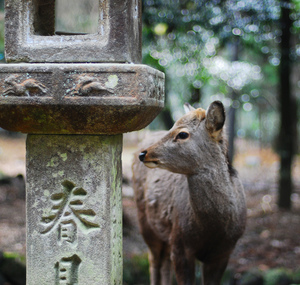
pixel 232 110
pixel 288 114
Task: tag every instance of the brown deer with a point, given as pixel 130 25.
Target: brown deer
pixel 190 200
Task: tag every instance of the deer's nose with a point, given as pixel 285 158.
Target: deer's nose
pixel 142 155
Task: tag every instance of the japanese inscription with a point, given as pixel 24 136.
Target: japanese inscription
pixel 67 212
pixel 67 270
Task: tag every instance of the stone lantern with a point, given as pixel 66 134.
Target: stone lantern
pixel 74 95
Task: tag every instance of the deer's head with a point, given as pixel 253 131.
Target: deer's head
pixel 194 141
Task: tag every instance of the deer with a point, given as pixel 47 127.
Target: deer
pixel 190 200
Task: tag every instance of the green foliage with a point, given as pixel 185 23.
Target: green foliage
pixel 252 277
pixel 15 256
pixel 277 276
pixel 136 270
pixel 296 277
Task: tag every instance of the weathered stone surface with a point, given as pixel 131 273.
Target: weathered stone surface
pixel 74 210
pixel 79 98
pixel 30 34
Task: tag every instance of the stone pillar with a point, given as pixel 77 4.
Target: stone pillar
pixel 75 114
pixel 74 209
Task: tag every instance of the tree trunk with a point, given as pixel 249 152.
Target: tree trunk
pixel 196 96
pixel 232 110
pixel 287 112
pixel 167 119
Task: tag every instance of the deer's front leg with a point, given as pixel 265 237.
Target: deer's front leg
pixel 184 264
pixel 213 271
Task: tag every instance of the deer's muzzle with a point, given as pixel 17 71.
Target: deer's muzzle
pixel 148 161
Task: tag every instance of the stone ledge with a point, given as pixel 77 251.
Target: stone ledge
pixel 79 98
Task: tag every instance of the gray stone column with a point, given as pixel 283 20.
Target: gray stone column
pixel 74 209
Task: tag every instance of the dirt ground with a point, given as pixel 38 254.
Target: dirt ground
pixel 271 239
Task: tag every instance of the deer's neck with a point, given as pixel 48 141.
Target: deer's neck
pixel 211 192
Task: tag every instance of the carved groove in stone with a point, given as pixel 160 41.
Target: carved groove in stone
pixel 67 231
pixel 28 87
pixel 67 270
pixel 89 86
pixel 68 211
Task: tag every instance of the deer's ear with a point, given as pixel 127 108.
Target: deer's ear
pixel 215 119
pixel 187 108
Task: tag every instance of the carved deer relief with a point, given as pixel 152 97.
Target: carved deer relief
pixel 28 87
pixel 190 200
pixel 89 86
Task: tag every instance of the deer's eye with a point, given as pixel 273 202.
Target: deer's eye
pixel 182 136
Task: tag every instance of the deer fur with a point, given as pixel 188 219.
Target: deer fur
pixel 190 200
